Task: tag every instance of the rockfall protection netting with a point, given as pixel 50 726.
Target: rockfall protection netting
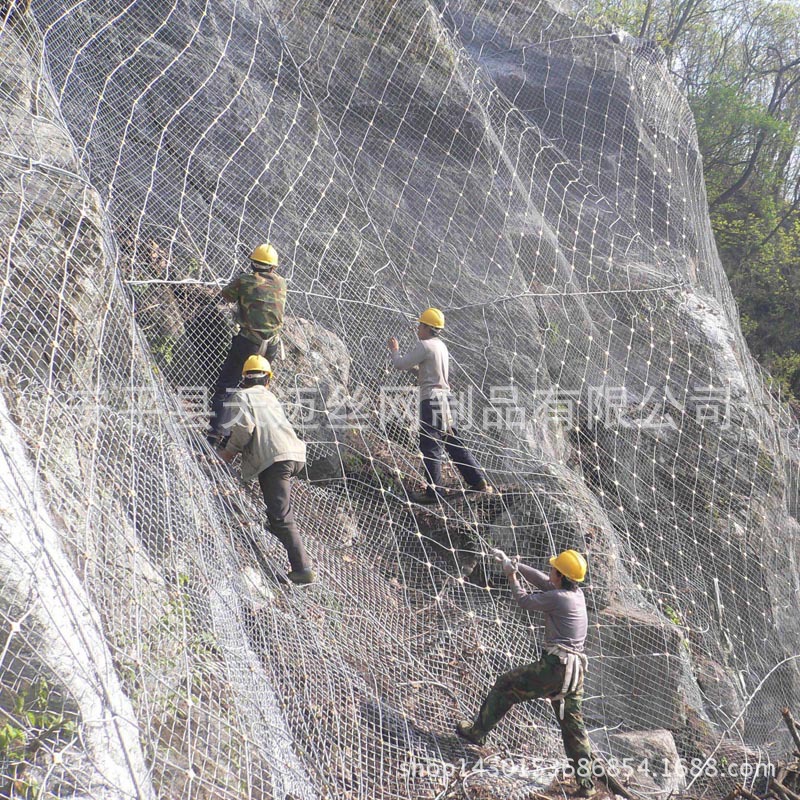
pixel 501 160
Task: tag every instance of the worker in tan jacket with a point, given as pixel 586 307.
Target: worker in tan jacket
pixel 271 452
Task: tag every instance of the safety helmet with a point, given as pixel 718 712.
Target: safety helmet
pixel 265 254
pixel 256 367
pixel 571 564
pixel 433 318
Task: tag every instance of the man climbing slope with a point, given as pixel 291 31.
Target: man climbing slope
pixel 260 297
pixel 558 674
pixel 431 357
pixel 271 452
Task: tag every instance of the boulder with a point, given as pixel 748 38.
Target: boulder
pixel 646 673
pixel 312 380
pixel 656 768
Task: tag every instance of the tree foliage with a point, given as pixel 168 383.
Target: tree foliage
pixel 738 63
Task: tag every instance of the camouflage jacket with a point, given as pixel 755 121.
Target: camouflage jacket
pixel 261 298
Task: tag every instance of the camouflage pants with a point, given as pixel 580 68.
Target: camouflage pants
pixel 544 678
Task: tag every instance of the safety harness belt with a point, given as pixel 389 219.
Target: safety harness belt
pixel 575 664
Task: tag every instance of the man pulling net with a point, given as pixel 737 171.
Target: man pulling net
pixel 558 675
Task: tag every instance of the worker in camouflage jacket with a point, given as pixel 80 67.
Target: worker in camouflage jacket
pixel 558 675
pixel 260 298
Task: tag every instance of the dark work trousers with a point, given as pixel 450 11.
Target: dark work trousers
pixel 431 439
pixel 275 482
pixel 231 373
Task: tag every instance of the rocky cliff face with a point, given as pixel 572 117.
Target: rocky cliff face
pixel 538 182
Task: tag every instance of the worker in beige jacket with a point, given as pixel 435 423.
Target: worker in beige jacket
pixel 270 451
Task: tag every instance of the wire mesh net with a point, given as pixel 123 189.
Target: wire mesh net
pixel 535 179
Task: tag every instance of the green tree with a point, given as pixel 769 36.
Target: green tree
pixel 738 64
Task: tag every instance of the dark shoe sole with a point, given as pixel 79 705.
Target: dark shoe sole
pixel 423 499
pixel 464 731
pixel 303 577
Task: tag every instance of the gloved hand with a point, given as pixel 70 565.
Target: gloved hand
pixel 509 565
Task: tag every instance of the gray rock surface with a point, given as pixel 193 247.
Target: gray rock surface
pixel 53 646
pixel 654 759
pixel 112 680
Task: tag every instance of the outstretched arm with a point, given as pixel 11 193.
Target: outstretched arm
pixel 415 356
pixel 534 601
pixel 241 429
pixel 231 291
pixel 537 601
pixel 240 437
pixel 536 577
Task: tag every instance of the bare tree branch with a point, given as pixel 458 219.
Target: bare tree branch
pixel 646 19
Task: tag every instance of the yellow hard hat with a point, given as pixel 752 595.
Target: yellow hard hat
pixel 256 367
pixel 570 563
pixel 432 317
pixel 265 254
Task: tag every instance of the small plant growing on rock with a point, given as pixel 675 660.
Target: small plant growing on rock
pixel 28 727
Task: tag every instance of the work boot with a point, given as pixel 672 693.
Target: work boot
pixel 480 488
pixel 302 577
pixel 585 791
pixel 428 496
pixel 466 730
pixel 217 440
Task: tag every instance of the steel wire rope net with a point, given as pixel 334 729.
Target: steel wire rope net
pixel 502 161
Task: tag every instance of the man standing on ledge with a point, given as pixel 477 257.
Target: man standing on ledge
pixel 558 674
pixel 430 355
pixel 271 452
pixel 260 298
